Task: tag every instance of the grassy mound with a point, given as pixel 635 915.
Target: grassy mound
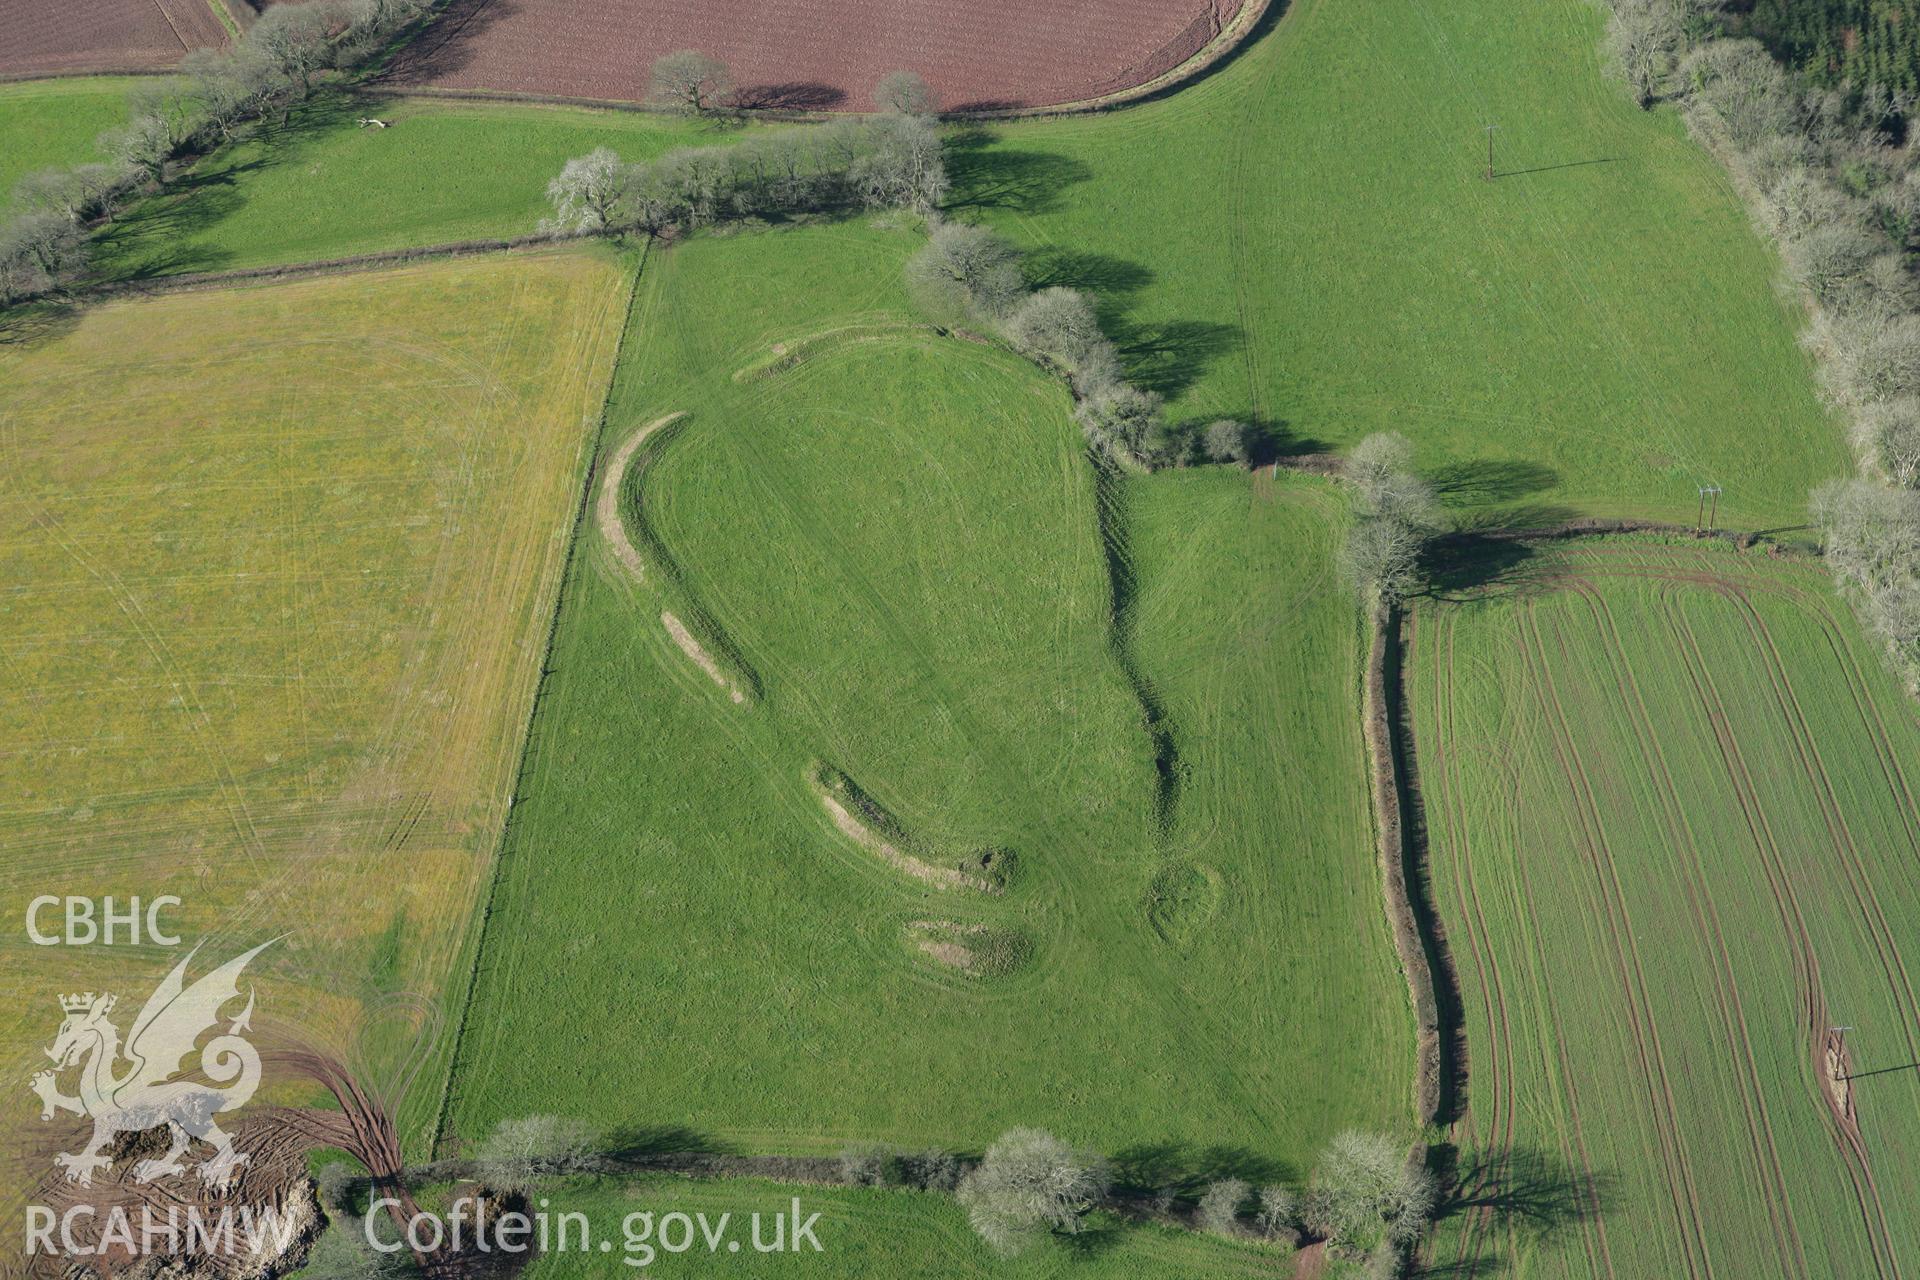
pixel 903 538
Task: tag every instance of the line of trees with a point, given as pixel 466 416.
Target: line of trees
pixel 967 275
pixel 1833 175
pixel 1369 1200
pixel 885 161
pixel 215 96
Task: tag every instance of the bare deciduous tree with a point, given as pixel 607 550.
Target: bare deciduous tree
pixel 75 194
pixel 966 269
pixel 931 1170
pixel 1888 437
pixel 39 252
pixel 519 1151
pixel 1367 1192
pixel 1398 514
pixel 232 87
pixel 296 39
pixel 1219 1209
pixel 690 81
pixel 1228 441
pixel 1123 422
pixel 870 1165
pixel 1278 1213
pixel 1739 91
pixel 1056 326
pixel 1030 1183
pixel 1645 38
pixel 906 93
pixel 589 193
pixel 900 164
pixel 141 144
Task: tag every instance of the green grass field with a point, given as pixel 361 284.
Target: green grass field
pixel 896 543
pixel 1305 238
pixel 281 563
pixel 324 187
pixel 278 565
pixel 1670 794
pixel 48 123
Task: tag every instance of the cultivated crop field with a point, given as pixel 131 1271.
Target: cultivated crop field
pixel 1672 809
pixel 104 35
pixel 817 56
pixel 892 545
pixel 278 566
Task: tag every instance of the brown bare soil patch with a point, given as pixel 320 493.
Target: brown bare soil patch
pixel 102 35
pixel 823 55
pixel 273 1179
pixel 606 508
pixel 606 514
pixel 977 950
pixel 1836 1067
pixel 702 659
pixel 858 832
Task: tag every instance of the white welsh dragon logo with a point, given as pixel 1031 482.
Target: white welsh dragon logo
pixel 146 1093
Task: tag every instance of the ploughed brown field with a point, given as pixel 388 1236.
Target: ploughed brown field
pixel 825 54
pixel 42 38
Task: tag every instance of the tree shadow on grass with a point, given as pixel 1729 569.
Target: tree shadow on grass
pixel 1165 357
pixel 1472 566
pixel 988 176
pixel 31 324
pixel 1168 357
pixel 1092 1239
pixel 1482 483
pixel 156 237
pixel 1526 1190
pixel 639 1142
pixel 1183 1171
pixel 159 235
pixel 1113 280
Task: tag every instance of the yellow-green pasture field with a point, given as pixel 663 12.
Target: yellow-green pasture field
pixel 277 567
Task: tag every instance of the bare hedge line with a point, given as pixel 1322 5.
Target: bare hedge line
pixel 324 266
pixel 1390 828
